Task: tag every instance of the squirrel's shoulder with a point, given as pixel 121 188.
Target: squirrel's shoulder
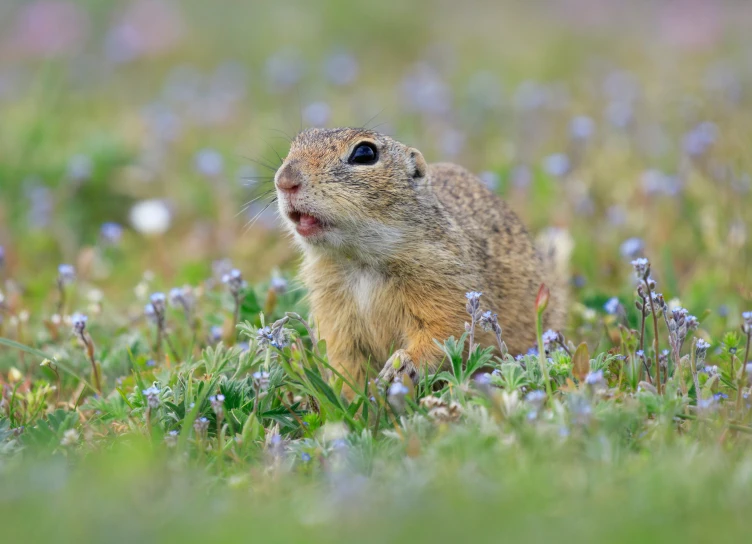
pixel 462 191
pixel 477 209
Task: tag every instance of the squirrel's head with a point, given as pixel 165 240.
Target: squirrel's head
pixel 350 189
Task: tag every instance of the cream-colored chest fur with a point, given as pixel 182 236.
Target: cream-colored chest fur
pixel 361 305
pixel 365 287
pixel 376 310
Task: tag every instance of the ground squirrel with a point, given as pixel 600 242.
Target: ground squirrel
pixel 392 245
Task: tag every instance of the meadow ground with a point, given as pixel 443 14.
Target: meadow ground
pixel 159 377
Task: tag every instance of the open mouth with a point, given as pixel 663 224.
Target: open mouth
pixel 306 225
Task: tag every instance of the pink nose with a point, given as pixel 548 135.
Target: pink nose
pixel 289 179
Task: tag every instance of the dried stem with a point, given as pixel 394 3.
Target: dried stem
pixel 89 349
pixel 743 375
pixel 655 337
pixel 693 369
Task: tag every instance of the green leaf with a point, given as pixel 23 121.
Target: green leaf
pixel 47 433
pixel 250 307
pixel 32 351
pixel 454 350
pixel 477 360
pixel 323 388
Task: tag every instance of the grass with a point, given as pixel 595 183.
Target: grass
pixel 213 413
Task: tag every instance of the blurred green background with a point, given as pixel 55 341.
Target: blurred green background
pixel 625 123
pixel 611 120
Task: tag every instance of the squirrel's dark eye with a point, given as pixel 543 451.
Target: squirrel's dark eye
pixel 364 153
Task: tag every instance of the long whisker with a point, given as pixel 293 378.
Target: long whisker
pixel 255 217
pixel 281 160
pixel 281 132
pixel 365 125
pixel 379 125
pixel 261 163
pixel 256 180
pixel 250 202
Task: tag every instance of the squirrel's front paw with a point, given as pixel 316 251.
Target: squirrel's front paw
pixel 399 364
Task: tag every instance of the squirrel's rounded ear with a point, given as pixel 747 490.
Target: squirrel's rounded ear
pixel 417 164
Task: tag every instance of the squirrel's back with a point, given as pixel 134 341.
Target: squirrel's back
pixel 512 266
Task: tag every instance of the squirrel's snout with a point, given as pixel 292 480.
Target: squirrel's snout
pixel 289 179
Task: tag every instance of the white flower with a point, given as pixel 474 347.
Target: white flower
pixel 150 217
pixel 333 431
pixel 70 437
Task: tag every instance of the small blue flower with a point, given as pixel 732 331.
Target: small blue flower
pixel 612 306
pixel 305 457
pixel 209 163
pixel 701 349
pixel 490 179
pixel 557 165
pixel 171 439
pixel 747 317
pixel 284 69
pixel 152 397
pixel 641 267
pixel 278 284
pixel 201 425
pixel 579 281
pixel 396 396
pixel 698 140
pixel 581 127
pixel 616 215
pixel 550 337
pixel 234 282
pixel 483 379
pixel 341 68
pixel 176 293
pixel 707 404
pixel 521 176
pixel 317 114
pixel 536 399
pixel 80 167
pixel 79 322
pixel 261 380
pixel 398 389
pixel 66 274
pixel 632 248
pixel 691 322
pixel 595 378
pixel 111 233
pixel 217 404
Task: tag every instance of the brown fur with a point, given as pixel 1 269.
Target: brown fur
pixel 405 242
